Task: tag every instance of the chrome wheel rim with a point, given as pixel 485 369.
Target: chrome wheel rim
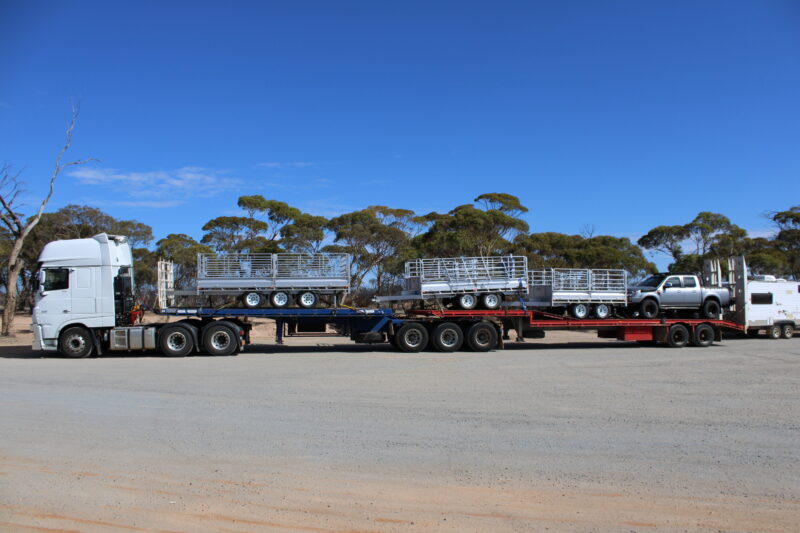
pixel 221 340
pixel 448 338
pixel 413 338
pixel 76 343
pixel 280 299
pixel 176 341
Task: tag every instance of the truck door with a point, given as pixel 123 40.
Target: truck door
pixel 691 292
pixel 54 301
pixel 672 292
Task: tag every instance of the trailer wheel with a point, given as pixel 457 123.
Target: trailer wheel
pixel 467 301
pixel 251 300
pixel 788 331
pixel 482 337
pixel 774 332
pixel 447 337
pixel 491 301
pixel 175 341
pixel 648 308
pixel 219 339
pixel 279 299
pixel 678 336
pixel 579 311
pixel 411 337
pixel 703 336
pixel 307 299
pixel 601 311
pixel 76 342
pixel 711 308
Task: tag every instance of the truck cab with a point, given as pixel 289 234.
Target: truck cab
pixel 84 285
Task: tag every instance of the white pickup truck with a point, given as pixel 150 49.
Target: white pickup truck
pixel 648 298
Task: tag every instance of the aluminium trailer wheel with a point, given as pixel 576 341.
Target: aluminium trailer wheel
pixel 307 299
pixel 579 311
pixel 601 311
pixel 280 299
pixel 467 301
pixel 491 301
pixel 252 300
pixel 76 342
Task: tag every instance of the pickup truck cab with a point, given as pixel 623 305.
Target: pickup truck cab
pixel 676 291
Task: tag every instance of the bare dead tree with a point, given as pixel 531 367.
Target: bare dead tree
pixel 587 231
pixel 18 227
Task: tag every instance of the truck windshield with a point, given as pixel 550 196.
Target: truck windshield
pixel 652 281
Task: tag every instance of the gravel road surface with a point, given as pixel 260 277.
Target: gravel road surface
pixel 578 436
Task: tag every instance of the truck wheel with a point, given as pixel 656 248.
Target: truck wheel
pixel 76 342
pixel 787 331
pixel 219 339
pixel 467 301
pixel 774 332
pixel 279 299
pixel 411 337
pixel 703 336
pixel 491 301
pixel 678 336
pixel 579 311
pixel 251 300
pixel 711 309
pixel 648 308
pixel 175 341
pixel 482 337
pixel 307 299
pixel 601 311
pixel 447 337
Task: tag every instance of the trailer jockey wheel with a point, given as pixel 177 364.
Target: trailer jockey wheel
pixel 279 299
pixel 307 299
pixel 579 311
pixel 251 300
pixel 467 301
pixel 491 301
pixel 601 311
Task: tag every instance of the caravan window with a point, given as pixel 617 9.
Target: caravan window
pixel 761 298
pixel 56 279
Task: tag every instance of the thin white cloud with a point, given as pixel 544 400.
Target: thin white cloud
pixel 183 183
pixel 290 164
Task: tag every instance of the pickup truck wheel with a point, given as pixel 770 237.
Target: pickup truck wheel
pixel 774 332
pixel 251 300
pixel 491 301
pixel 482 337
pixel 76 342
pixel 279 299
pixel 447 337
pixel 175 341
pixel 411 337
pixel 601 311
pixel 788 331
pixel 678 336
pixel 219 339
pixel 648 308
pixel 579 311
pixel 703 336
pixel 307 299
pixel 711 309
pixel 467 302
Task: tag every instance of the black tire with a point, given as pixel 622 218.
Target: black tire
pixel 76 343
pixel 678 336
pixel 447 337
pixel 280 299
pixel 787 331
pixel 307 300
pixel 601 311
pixel 703 336
pixel 648 308
pixel 482 337
pixel 252 300
pixel 774 332
pixel 220 339
pixel 491 301
pixel 175 341
pixel 411 337
pixel 711 308
pixel 467 301
pixel 579 311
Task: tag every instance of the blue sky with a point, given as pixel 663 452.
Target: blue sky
pixel 623 115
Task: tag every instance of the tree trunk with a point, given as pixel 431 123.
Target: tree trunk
pixel 14 267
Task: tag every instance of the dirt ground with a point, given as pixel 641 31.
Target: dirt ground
pixel 565 434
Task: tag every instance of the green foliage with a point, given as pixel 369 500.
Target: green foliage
pixel 182 250
pixel 665 239
pixel 305 234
